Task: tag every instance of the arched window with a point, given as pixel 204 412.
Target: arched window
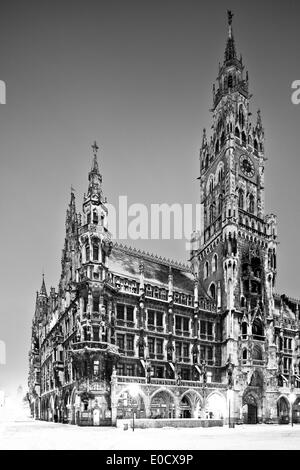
pixel 257 328
pixel 103 257
pixel 211 185
pixel 251 204
pixel 244 329
pixel 206 270
pixel 255 145
pixel 230 81
pixel 88 218
pixel 220 204
pixel 217 147
pixel 237 132
pixel 223 139
pixel 215 263
pixel 250 140
pixel 244 354
pixel 87 252
pixel 206 161
pixel 211 214
pixel 212 291
pixel 244 141
pixel 95 217
pixel 241 117
pixel 220 175
pixel 241 199
pixel 95 252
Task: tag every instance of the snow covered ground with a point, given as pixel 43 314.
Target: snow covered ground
pixel 18 431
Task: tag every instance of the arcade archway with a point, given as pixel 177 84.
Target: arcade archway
pixel 283 410
pixel 162 405
pixel 215 406
pixel 250 409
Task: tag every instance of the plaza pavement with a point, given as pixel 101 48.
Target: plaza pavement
pixel 19 431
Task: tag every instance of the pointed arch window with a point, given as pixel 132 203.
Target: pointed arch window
pixel 230 81
pixel 244 141
pixel 241 117
pixel 237 132
pixel 211 214
pixel 206 270
pixel 220 175
pixel 212 291
pixel 241 199
pixel 211 185
pixel 220 204
pixel 95 251
pixel 222 139
pixel 255 145
pixel 95 217
pixel 215 263
pixel 87 252
pixel 251 204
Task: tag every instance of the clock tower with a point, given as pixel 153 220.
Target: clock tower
pixel 234 253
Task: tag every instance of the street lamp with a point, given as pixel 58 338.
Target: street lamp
pixel 292 399
pixel 134 391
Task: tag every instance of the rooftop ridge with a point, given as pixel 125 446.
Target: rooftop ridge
pixel 153 257
pixel 292 299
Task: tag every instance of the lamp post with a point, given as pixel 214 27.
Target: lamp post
pixel 134 391
pixel 292 399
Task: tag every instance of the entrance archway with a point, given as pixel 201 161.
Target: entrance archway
pixel 250 409
pixel 215 406
pixel 162 405
pixel 185 407
pixel 283 410
pixel 190 405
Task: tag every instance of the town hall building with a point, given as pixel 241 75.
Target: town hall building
pixel 209 342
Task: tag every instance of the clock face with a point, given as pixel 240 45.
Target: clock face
pixel 247 166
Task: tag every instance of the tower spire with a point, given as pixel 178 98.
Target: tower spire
pixel 43 290
pixel 95 178
pixel 230 52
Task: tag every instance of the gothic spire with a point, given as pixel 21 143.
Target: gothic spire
pixel 230 52
pixel 95 178
pixel 43 290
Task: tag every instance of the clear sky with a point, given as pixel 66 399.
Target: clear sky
pixel 136 76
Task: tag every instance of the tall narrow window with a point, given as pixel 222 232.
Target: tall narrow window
pixel 251 204
pixel 95 252
pixel 241 199
pixel 215 263
pixel 87 252
pixel 88 218
pixel 206 270
pixel 95 217
pixel 212 291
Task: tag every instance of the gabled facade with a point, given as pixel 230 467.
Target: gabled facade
pixel 195 341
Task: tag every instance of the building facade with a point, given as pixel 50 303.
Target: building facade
pixel 127 331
